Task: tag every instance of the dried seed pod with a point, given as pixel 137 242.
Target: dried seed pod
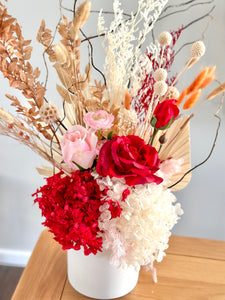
pixel 165 38
pixel 162 139
pixel 160 74
pixel 172 93
pixel 198 49
pixel 49 113
pixel 160 88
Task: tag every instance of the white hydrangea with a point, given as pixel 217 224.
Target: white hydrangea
pixel 141 234
pixel 148 215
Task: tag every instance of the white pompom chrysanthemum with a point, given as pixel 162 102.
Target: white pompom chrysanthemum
pixel 198 49
pixel 160 88
pixel 165 38
pixel 49 113
pixel 160 74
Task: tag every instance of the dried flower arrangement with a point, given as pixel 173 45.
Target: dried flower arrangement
pixel 118 147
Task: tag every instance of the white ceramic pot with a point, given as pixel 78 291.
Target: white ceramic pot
pixel 94 276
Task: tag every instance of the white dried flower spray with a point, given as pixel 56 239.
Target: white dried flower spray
pixel 124 62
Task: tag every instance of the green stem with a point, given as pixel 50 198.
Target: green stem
pixel 154 135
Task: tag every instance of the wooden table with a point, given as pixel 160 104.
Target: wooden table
pixel 193 269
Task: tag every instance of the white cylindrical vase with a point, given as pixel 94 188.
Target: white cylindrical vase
pixel 94 276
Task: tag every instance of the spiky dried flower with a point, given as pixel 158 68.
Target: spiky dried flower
pixel 160 88
pixel 160 74
pixel 198 49
pixel 165 38
pixel 49 113
pixel 172 93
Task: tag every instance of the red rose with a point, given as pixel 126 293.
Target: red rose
pixel 130 158
pixel 165 112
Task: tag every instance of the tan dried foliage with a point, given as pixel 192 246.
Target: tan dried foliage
pixel 15 52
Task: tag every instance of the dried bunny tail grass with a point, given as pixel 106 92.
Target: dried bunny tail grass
pixel 127 100
pixel 211 70
pixel 181 97
pixel 207 81
pixel 80 18
pixel 88 72
pixel 210 77
pixel 8 118
pixel 62 55
pixel 190 102
pixel 198 81
pixel 191 62
pixel 220 89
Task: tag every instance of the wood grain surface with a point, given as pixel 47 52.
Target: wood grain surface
pixel 194 269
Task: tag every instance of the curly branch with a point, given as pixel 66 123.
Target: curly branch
pixel 212 148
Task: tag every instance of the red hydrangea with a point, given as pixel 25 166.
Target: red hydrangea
pixel 70 206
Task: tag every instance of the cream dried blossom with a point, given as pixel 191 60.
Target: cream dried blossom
pixel 160 88
pixel 172 93
pixel 165 38
pixel 160 74
pixel 198 49
pixel 127 121
pixel 49 113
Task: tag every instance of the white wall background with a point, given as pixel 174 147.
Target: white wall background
pixel 203 200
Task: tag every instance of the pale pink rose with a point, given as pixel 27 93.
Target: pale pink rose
pixel 79 145
pixel 99 119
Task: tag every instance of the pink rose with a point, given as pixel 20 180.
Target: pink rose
pixel 99 119
pixel 79 145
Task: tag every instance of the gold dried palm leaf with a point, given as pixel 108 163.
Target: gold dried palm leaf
pixel 178 147
pixel 45 171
